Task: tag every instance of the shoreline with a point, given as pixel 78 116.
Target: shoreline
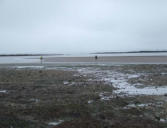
pixel 111 59
pixel 143 51
pixel 106 60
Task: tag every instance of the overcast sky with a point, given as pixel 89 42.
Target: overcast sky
pixel 65 26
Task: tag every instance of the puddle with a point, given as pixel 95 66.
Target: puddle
pixel 90 101
pixel 3 91
pixel 120 81
pixel 106 96
pixel 65 82
pixel 34 100
pixel 55 123
pixel 163 120
pixel 32 67
pixel 73 83
pixel 124 87
pixel 136 105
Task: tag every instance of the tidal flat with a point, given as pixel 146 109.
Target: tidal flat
pixel 83 96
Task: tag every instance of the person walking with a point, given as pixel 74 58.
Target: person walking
pixel 41 58
pixel 96 57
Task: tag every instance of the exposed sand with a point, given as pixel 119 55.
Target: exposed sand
pixel 111 59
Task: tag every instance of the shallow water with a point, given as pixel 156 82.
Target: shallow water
pixel 18 59
pixel 36 59
pixel 120 82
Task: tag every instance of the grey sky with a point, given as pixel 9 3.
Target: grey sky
pixel 62 26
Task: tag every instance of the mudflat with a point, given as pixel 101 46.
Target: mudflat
pixel 94 96
pixel 111 59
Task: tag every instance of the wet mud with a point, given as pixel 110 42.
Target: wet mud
pixel 83 97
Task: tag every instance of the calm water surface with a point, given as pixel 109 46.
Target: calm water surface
pixel 35 59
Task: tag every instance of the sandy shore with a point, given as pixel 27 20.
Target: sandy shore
pixel 111 59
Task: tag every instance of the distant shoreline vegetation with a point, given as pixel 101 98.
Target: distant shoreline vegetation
pixel 129 52
pixel 1 55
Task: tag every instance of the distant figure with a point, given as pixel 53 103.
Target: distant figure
pixel 96 57
pixel 41 58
